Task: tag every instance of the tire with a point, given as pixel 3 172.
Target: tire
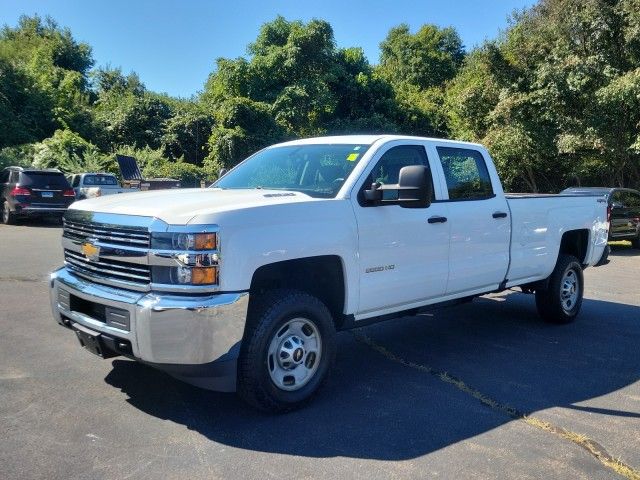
pixel 8 217
pixel 635 243
pixel 288 332
pixel 560 302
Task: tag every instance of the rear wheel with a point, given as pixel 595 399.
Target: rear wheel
pixel 560 302
pixel 8 217
pixel 287 351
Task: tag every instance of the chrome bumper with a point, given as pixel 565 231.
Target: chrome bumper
pixel 171 332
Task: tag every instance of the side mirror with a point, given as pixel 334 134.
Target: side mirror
pixel 414 189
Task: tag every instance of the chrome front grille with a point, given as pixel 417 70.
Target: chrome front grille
pixel 114 235
pixel 116 250
pixel 108 269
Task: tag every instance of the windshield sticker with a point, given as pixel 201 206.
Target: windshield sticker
pixel 352 157
pixel 357 148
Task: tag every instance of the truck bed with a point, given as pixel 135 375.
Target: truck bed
pixel 538 222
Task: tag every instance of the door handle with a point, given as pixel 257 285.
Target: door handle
pixel 499 215
pixel 437 219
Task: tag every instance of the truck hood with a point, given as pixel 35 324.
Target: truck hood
pixel 178 207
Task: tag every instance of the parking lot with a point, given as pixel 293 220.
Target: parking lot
pixel 483 390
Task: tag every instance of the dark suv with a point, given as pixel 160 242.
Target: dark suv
pixel 623 211
pixel 28 192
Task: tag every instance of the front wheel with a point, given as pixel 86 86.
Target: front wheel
pixel 560 302
pixel 635 243
pixel 287 350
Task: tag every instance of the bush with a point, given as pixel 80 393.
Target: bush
pixel 69 152
pixel 21 156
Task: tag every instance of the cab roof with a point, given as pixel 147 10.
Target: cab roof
pixel 367 140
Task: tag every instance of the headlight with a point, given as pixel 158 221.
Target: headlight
pixel 194 258
pixel 184 241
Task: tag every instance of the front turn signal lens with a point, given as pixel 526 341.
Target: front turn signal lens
pixel 204 275
pixel 205 241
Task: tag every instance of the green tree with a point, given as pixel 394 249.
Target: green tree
pixel 425 59
pixel 418 66
pixel 556 97
pixel 309 86
pixel 69 152
pixel 127 113
pixel 57 67
pixel 187 131
pixel 242 127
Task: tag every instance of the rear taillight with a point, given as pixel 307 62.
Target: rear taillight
pixel 20 191
pixel 69 193
pixel 608 213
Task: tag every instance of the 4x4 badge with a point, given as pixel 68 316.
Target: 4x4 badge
pixel 91 251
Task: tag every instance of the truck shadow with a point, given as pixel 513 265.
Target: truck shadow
pixel 37 222
pixel 376 407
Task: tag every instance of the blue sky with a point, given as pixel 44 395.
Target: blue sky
pixel 173 45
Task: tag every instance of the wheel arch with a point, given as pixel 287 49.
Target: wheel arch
pixel 576 243
pixel 322 276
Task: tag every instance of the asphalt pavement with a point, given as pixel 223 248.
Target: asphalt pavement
pixel 483 390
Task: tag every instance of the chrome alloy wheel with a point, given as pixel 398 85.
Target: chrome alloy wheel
pixel 294 354
pixel 569 290
pixel 6 212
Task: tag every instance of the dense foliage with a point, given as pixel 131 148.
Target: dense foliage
pixel 556 97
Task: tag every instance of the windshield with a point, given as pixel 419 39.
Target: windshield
pixel 316 170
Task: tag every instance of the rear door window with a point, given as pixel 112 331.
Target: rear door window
pixel 466 173
pixel 44 180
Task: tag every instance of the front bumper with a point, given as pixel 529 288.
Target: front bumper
pixel 194 338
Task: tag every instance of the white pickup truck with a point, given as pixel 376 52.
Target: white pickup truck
pixel 243 285
pixel 91 185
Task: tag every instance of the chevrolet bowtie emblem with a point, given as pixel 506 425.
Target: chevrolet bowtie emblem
pixel 91 251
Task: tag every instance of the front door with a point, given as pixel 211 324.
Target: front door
pixel 403 256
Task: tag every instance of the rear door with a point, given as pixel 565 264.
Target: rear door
pixel 47 188
pixel 479 220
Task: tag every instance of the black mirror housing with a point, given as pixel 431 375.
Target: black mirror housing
pixel 414 189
